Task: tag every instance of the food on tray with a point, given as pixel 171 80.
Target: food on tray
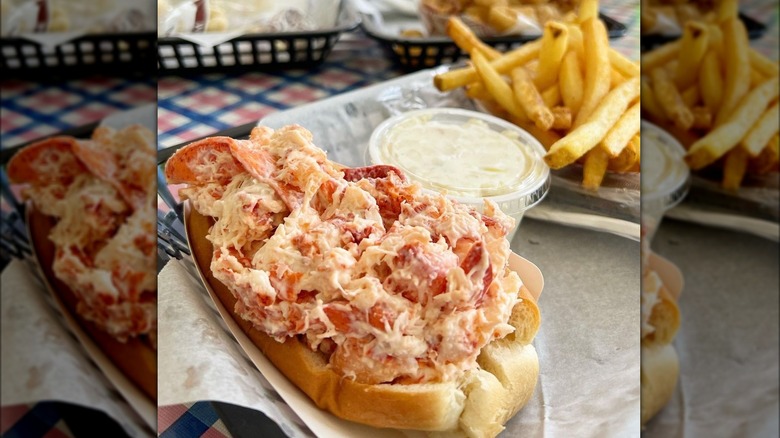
pixel 436 148
pixel 717 96
pixel 660 322
pixel 362 290
pixel 569 89
pixel 106 16
pixel 101 193
pixel 489 18
pixel 256 16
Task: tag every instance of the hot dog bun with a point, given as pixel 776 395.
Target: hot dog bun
pixel 136 358
pixel 660 365
pixel 660 370
pixel 665 318
pixel 476 405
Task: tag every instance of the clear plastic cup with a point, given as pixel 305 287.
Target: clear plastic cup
pixel 467 155
pixel 665 176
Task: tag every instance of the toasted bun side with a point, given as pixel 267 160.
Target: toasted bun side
pixel 525 318
pixel 665 318
pixel 516 367
pixel 136 358
pixel 476 406
pixel 660 370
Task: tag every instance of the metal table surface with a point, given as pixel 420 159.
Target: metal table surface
pixel 729 334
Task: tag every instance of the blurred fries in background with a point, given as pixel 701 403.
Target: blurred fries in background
pixel 569 89
pixel 721 100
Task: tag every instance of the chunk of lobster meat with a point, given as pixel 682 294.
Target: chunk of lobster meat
pixel 101 162
pixel 48 160
pixel 204 161
pixel 357 358
pixel 372 172
pixel 261 163
pixel 478 260
pixel 420 272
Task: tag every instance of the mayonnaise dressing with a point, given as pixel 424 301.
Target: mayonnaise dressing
pixel 468 160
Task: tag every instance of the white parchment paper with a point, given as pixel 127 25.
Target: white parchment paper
pixel 200 359
pixel 41 359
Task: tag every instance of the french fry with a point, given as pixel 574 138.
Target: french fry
pixel 596 162
pixel 660 56
pixel 724 137
pixel 501 18
pixel 627 157
pixel 546 138
pixel 694 44
pixel 466 40
pixel 532 67
pixel 504 64
pixel 615 78
pixel 496 86
pixel 555 39
pixel 530 100
pixel 669 99
pixel 727 10
pixel 455 78
pixel 476 13
pixel 490 3
pixel 702 118
pixel 552 96
pixel 737 67
pixel 762 64
pixel 623 65
pixel 576 44
pixel 734 168
pixel 762 131
pixel 589 9
pixel 478 91
pixel 768 158
pixel 691 96
pixel 561 118
pixel 584 137
pixel 648 101
pixel 570 82
pixel 715 39
pixel 597 68
pixel 626 127
pixel 755 78
pixel 711 82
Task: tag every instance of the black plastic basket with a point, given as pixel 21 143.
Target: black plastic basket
pixel 426 52
pixel 122 54
pixel 259 52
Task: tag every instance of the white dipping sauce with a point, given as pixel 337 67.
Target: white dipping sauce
pixel 464 159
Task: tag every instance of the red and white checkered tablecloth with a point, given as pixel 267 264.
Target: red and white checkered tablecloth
pixel 31 110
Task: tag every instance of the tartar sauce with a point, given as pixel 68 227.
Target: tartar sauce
pixel 469 159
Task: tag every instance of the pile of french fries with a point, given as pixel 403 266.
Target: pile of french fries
pixel 501 16
pixel 718 96
pixel 569 89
